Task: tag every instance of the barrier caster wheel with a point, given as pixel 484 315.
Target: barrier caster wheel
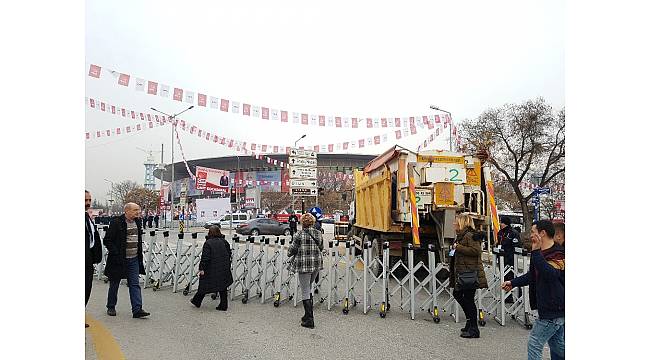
pixel 529 326
pixel 382 310
pixel 276 299
pixel 481 322
pixel 185 292
pixel 154 288
pixel 214 296
pixel 276 304
pixel 105 281
pixel 244 300
pixel 345 311
pixel 436 320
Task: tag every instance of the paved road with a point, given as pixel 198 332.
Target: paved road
pixel 259 331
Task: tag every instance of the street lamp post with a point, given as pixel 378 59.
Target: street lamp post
pixel 237 187
pixel 432 107
pixel 111 199
pixel 172 118
pixel 295 144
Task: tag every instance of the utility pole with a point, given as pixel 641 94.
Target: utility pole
pixel 172 118
pixel 432 107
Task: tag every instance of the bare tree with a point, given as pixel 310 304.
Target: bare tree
pixel 147 199
pixel 522 140
pixel 121 190
pixel 275 201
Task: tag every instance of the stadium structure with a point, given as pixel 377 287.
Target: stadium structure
pixel 335 173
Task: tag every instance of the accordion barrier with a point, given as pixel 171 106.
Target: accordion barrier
pixel 347 280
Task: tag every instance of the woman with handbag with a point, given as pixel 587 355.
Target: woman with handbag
pixel 467 272
pixel 307 261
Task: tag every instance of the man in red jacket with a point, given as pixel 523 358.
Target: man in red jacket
pixel 546 284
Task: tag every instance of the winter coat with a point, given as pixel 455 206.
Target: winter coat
pixel 215 263
pixel 545 278
pixel 307 246
pixel 94 254
pixel 115 243
pixel 467 257
pixel 508 239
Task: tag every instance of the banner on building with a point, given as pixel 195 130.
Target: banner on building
pixel 212 179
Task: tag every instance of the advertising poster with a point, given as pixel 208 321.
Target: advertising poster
pixel 212 179
pixel 211 209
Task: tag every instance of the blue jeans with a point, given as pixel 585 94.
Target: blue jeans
pixel 133 280
pixel 551 331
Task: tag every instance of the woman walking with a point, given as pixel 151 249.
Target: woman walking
pixel 214 269
pixel 467 272
pixel 306 249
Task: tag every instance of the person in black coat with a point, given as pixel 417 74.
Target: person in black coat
pixel 214 269
pixel 508 239
pixel 293 223
pixel 125 260
pixel 93 247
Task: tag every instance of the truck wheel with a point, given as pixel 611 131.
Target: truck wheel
pixel 255 232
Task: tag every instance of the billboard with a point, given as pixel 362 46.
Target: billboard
pixel 212 179
pixel 211 209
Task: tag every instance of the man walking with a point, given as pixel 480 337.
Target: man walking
pixel 546 280
pixel 156 219
pixel 508 239
pixel 93 247
pixel 125 260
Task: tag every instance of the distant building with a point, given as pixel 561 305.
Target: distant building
pixel 149 166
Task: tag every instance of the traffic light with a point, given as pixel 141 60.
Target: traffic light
pixel 233 196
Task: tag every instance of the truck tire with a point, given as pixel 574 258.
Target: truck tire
pixel 375 268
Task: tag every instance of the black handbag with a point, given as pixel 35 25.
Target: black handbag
pixel 467 280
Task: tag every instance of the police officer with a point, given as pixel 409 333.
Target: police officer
pixel 508 239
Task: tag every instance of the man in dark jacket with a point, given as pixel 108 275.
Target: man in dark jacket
pixel 546 281
pixel 508 239
pixel 93 247
pixel 293 223
pixel 125 259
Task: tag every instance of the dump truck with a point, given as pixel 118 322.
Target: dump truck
pixel 403 197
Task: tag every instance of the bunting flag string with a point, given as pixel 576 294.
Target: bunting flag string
pixel 155 88
pixel 180 146
pixel 154 120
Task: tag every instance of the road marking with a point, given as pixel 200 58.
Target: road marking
pixel 105 345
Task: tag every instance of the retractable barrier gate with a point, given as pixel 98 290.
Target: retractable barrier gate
pixel 375 284
pixel 288 282
pixel 193 266
pixel 259 268
pixel 239 266
pixel 165 275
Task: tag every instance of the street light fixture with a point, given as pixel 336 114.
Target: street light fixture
pixel 172 118
pixel 433 107
pixel 295 144
pixel 111 200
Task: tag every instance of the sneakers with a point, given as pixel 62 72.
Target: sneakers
pixel 140 314
pixel 198 305
pixel 111 312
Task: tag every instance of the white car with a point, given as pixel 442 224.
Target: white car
pixel 224 220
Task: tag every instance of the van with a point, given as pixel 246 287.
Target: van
pixel 224 220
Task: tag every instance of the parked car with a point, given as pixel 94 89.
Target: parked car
pixel 328 221
pixel 263 227
pixel 224 220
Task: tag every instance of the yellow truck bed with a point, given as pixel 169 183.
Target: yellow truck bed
pixel 373 201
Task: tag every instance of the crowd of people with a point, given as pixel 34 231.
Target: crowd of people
pixel 545 277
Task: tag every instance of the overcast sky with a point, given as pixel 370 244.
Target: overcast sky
pixel 332 58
